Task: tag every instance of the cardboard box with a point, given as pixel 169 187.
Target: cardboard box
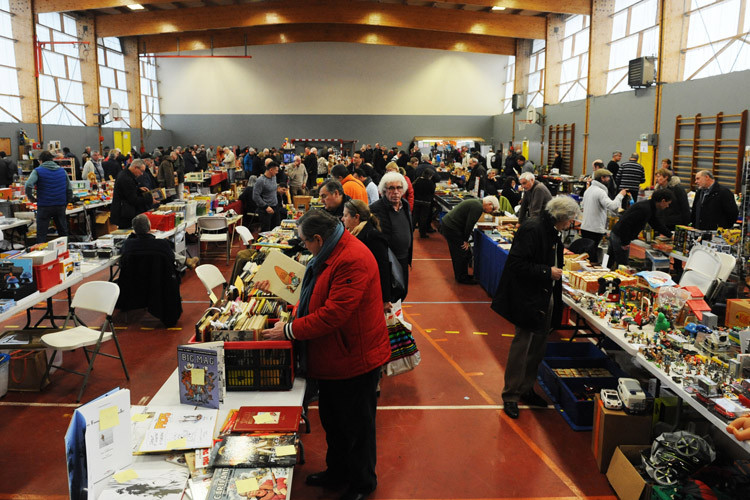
pixel 613 428
pixel 624 477
pixel 589 280
pixel 738 313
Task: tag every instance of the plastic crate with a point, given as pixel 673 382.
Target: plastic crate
pixel 259 366
pixel 578 412
pixel 553 382
pixel 573 350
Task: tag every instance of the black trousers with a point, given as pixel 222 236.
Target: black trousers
pixel 269 221
pixel 422 212
pixel 596 238
pixel 460 257
pixel 347 412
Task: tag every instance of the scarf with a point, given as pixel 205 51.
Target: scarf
pixel 358 229
pixel 314 267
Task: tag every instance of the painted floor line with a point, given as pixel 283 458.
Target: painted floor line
pixel 430 259
pixel 533 446
pixel 455 302
pixel 21 403
pixel 453 407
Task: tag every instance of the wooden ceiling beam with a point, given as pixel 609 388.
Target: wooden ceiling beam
pixel 338 12
pixel 268 35
pixel 551 6
pixel 80 5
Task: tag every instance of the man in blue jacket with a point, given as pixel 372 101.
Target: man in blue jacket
pixel 53 190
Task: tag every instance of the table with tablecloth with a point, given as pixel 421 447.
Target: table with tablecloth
pixel 489 261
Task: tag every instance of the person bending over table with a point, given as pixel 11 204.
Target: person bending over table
pixel 633 221
pixel 457 226
pixel 530 296
pixel 128 199
pixel 340 315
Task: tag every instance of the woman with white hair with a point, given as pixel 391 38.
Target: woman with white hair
pixel 457 226
pixel 530 296
pixel 394 214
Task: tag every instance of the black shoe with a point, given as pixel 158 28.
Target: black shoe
pixel 354 495
pixel 511 409
pixel 323 479
pixel 531 398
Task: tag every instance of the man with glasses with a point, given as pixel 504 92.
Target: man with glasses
pixel 128 199
pixel 333 198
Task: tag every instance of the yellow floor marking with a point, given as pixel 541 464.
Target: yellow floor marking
pixel 428 330
pixel 474 374
pixel 565 339
pixel 480 333
pixel 452 331
pixel 121 328
pixel 146 328
pixel 508 335
pixel 175 328
pixel 11 326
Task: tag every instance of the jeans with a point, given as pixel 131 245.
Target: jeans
pixel 43 216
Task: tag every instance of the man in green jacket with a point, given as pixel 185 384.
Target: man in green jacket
pixel 457 226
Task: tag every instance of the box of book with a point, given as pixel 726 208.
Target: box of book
pixel 201 374
pixel 259 366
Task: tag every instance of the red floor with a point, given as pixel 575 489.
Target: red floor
pixel 441 433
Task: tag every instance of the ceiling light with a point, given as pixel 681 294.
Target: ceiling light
pixel 136 6
pixel 498 8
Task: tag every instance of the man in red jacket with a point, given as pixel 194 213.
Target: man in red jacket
pixel 340 314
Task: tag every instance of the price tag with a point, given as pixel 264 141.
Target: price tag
pixel 177 444
pixel 198 376
pixel 125 476
pixel 108 418
pixel 246 485
pixel 285 451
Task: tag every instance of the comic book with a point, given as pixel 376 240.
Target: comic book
pixel 178 428
pixel 234 450
pixel 200 373
pixel 242 483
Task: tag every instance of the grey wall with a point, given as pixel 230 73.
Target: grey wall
pixel 270 130
pixel 77 138
pixel 567 113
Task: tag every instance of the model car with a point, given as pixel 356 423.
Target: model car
pixel 611 399
pixel 632 396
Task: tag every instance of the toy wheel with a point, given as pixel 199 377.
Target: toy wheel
pixel 687 446
pixel 665 476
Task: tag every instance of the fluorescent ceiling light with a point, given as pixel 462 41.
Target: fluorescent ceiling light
pixel 136 6
pixel 498 8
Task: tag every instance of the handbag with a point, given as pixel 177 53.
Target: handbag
pixel 397 277
pixel 404 353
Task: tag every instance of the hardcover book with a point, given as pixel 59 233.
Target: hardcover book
pixel 259 483
pixel 284 275
pixel 268 419
pixel 201 374
pixel 234 450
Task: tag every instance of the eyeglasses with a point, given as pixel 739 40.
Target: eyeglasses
pixel 395 188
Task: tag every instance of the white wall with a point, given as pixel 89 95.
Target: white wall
pixel 334 78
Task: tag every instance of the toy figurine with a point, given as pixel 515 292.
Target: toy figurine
pixel 661 324
pixel 740 428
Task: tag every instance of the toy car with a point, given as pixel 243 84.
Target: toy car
pixel 632 396
pixel 611 399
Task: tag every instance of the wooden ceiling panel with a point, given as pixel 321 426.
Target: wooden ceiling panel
pixel 335 12
pixel 267 35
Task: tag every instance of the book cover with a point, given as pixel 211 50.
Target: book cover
pixel 268 419
pixel 233 450
pixel 256 483
pixel 147 481
pixel 179 428
pixel 199 372
pixel 284 275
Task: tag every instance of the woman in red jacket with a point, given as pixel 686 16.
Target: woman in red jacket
pixel 340 314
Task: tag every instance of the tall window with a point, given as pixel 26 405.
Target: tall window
pixel 60 83
pixel 635 33
pixel 150 109
pixel 10 97
pixel 510 79
pixel 575 59
pixel 112 86
pixel 718 37
pixel 536 74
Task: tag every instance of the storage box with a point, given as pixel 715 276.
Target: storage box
pixel 613 428
pixel 259 366
pixel 589 280
pixel 16 278
pixel 47 275
pixel 623 475
pixel 161 221
pixel 551 372
pixel 738 313
pixel 40 257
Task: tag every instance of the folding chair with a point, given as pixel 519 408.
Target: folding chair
pixel 245 235
pixel 211 277
pixel 214 229
pixel 97 296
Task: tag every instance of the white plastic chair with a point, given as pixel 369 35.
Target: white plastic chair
pixel 214 230
pixel 245 235
pixel 727 265
pixel 701 269
pixel 97 296
pixel 211 277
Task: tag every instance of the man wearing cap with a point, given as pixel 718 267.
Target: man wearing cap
pixel 264 196
pixel 596 203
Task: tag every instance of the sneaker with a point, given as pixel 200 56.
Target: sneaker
pixel 192 262
pixel 531 398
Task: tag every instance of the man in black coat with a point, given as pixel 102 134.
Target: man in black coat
pixel 530 296
pixel 633 221
pixel 129 199
pixel 477 178
pixel 111 166
pixel 714 205
pixel 678 213
pixel 311 164
pixel 202 158
pixel 191 162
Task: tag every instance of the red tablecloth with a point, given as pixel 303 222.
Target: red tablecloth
pixel 235 205
pixel 217 178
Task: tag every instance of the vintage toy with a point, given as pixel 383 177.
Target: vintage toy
pixel 632 396
pixel 610 399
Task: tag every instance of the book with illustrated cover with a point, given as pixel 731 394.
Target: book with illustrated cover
pixel 179 428
pixel 234 450
pixel 268 419
pixel 147 482
pixel 255 483
pixel 284 275
pixel 201 374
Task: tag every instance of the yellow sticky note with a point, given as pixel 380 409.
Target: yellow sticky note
pixel 239 284
pixel 177 444
pixel 264 418
pixel 139 417
pixel 125 475
pixel 212 297
pixel 246 485
pixel 283 451
pixel 198 376
pixel 108 418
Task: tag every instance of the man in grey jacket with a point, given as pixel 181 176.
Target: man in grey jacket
pixel 535 197
pixel 264 196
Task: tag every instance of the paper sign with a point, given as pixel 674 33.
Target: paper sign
pixel 212 297
pixel 177 443
pixel 125 475
pixel 198 376
pixel 246 485
pixel 644 146
pixel 239 285
pixel 139 417
pixel 284 451
pixel 108 418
